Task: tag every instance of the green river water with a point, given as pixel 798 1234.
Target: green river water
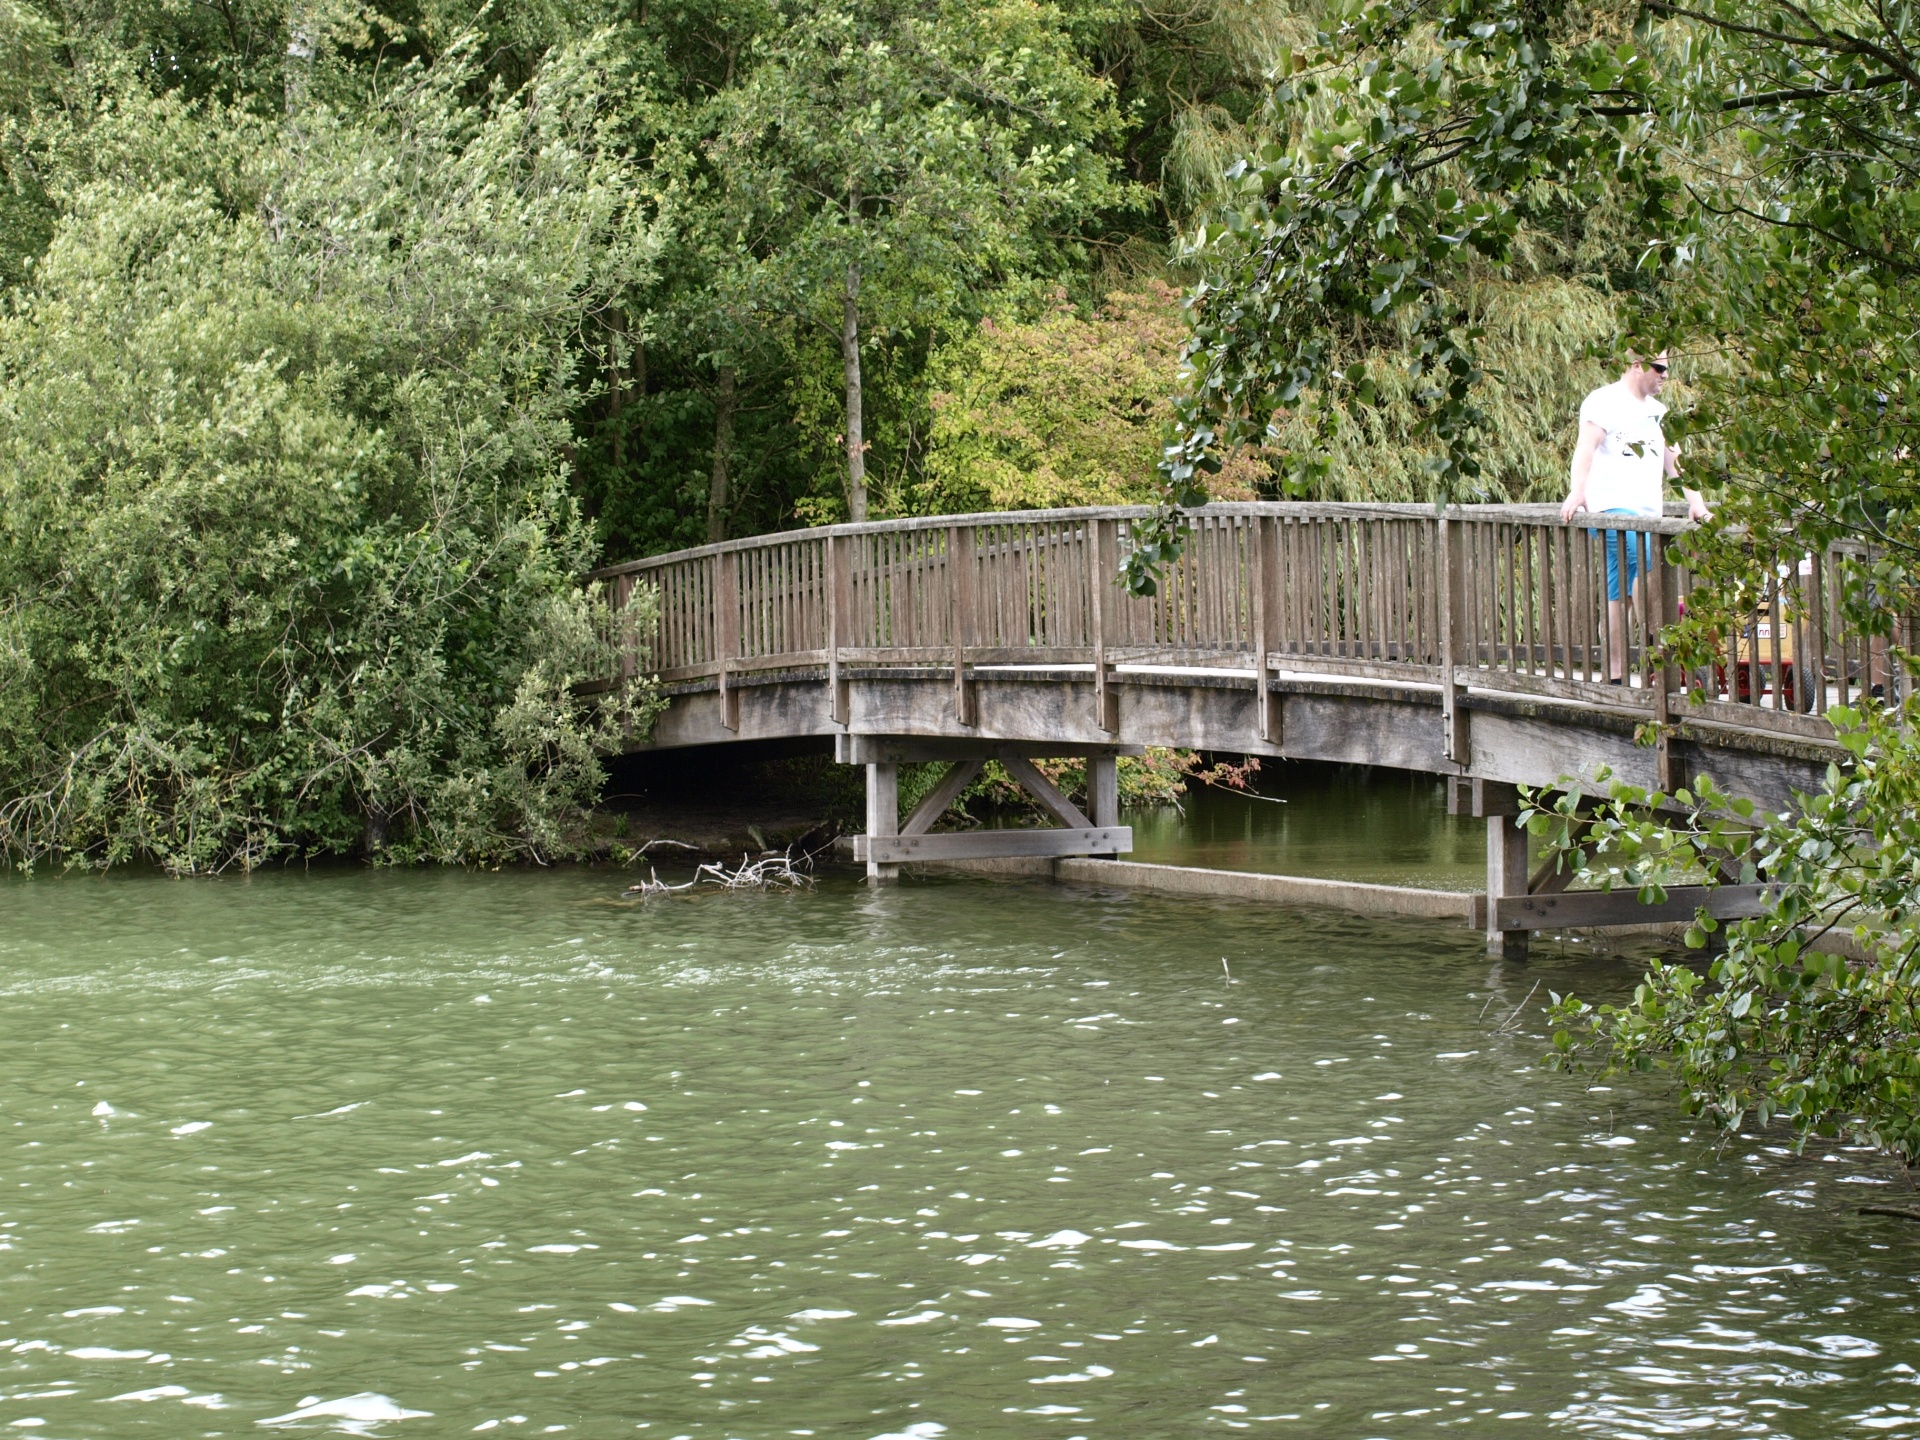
pixel 434 1154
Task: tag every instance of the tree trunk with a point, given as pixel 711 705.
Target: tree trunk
pixel 856 439
pixel 296 67
pixel 722 457
pixel 617 386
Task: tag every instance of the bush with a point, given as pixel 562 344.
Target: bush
pixel 284 528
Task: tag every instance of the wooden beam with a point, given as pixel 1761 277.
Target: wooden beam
pixel 1459 906
pixel 1045 792
pixel 1481 798
pixel 893 850
pixel 1556 872
pixel 920 750
pixel 935 802
pixel 1579 909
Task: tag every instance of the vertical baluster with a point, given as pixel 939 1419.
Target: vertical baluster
pixel 1451 556
pixel 1842 641
pixel 1660 597
pixel 1774 637
pixel 1504 596
pixel 1325 581
pixel 1816 665
pixel 1543 544
pixel 1263 558
pixel 1342 598
pixel 1103 596
pixel 726 614
pixel 1490 589
pixel 1562 610
pixel 963 602
pixel 1293 633
pixel 1360 595
pixel 1523 608
pixel 1379 572
pixel 838 617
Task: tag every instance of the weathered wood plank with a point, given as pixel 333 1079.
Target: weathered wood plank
pixel 935 802
pixel 984 844
pixel 1358 898
pixel 921 750
pixel 1597 909
pixel 1045 793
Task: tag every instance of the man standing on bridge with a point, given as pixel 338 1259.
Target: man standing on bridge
pixel 1620 467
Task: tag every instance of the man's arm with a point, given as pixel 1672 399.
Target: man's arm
pixel 1696 502
pixel 1590 437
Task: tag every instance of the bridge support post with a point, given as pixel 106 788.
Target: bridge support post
pixel 1506 878
pixel 1103 789
pixel 1507 874
pixel 883 816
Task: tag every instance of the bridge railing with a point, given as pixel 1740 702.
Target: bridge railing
pixel 1499 598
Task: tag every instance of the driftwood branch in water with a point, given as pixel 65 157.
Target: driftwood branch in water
pixel 1896 1211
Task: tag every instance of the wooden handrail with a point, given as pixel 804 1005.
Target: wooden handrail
pixel 1475 598
pixel 1671 524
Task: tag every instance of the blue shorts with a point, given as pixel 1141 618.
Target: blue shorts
pixel 1634 545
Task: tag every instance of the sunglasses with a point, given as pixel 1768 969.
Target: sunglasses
pixel 1656 367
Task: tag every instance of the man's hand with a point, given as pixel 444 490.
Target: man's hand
pixel 1575 503
pixel 1697 506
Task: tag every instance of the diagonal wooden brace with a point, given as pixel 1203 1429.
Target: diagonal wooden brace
pixel 935 802
pixel 1045 792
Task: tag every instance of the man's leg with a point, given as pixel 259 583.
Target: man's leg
pixel 1619 589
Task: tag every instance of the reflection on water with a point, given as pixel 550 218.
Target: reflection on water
pixel 439 1154
pixel 1341 822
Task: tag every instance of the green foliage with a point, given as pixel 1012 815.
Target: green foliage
pixel 289 557
pixel 1759 172
pixel 1796 286
pixel 1546 330
pixel 1422 137
pixel 1776 1028
pixel 1053 412
pixel 882 164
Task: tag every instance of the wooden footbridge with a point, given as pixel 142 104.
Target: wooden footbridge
pixel 1473 643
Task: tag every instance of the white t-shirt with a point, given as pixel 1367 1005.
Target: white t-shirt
pixel 1629 465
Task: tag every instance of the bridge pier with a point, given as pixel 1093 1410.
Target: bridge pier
pixel 889 840
pixel 1507 872
pixel 1506 877
pixel 883 815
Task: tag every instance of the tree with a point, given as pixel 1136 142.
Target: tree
pixel 1768 162
pixel 1057 410
pixel 284 533
pixel 882 163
